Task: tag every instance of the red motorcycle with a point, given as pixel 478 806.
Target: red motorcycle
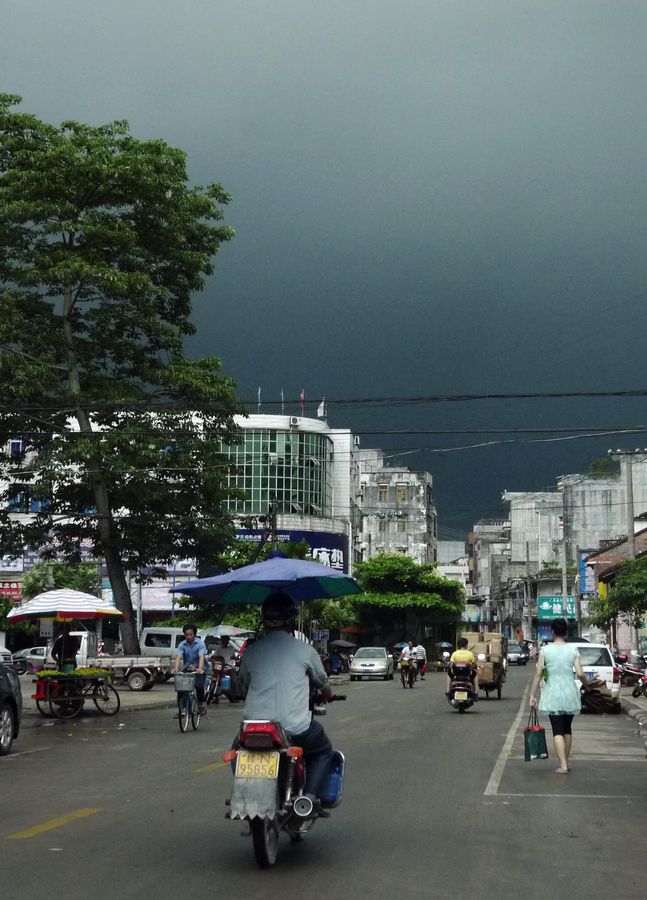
pixel 269 783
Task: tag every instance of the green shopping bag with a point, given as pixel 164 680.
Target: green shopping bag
pixel 534 739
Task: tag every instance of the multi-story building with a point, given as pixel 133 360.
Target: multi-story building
pixel 397 509
pixel 305 474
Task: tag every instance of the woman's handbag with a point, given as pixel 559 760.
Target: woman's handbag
pixel 534 739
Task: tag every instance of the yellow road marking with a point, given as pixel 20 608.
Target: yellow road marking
pixel 53 823
pixel 211 767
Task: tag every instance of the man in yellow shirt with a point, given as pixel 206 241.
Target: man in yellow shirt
pixel 463 656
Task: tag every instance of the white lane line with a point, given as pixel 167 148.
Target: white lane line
pixel 497 772
pixel 577 796
pixel 26 753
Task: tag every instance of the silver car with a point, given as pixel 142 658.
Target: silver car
pixel 371 662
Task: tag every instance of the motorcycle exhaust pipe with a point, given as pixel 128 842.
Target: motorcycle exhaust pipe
pixel 303 807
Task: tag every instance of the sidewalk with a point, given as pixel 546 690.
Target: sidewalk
pixel 160 696
pixel 636 708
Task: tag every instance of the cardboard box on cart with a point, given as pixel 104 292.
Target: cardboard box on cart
pixel 486 672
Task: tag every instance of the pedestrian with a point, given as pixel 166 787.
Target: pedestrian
pixel 560 695
pixel 421 657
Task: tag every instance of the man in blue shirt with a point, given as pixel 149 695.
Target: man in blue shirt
pixel 191 657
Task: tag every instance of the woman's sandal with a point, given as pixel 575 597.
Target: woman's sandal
pixel 561 771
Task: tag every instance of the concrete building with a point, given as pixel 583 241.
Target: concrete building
pixel 398 514
pixel 305 473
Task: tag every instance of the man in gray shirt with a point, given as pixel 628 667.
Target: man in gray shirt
pixel 275 675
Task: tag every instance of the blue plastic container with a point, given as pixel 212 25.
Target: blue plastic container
pixel 225 683
pixel 333 786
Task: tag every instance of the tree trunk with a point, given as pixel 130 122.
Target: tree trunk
pixel 108 536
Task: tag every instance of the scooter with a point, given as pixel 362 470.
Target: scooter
pixel 641 686
pixel 221 682
pixel 461 691
pixel 269 783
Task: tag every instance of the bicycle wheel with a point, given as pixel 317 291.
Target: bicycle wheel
pixel 183 710
pixel 65 704
pixel 195 711
pixel 106 699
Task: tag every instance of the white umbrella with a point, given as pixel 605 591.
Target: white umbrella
pixel 63 605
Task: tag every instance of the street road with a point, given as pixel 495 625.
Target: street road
pixel 435 803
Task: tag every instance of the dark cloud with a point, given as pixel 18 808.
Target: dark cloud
pixel 429 197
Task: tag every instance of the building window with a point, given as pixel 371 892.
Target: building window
pixel 400 493
pixel 402 525
pixel 381 524
pixel 382 493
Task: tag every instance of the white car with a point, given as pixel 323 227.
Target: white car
pixel 371 662
pixel 598 662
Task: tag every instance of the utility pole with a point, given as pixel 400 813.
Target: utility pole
pixel 528 591
pixel 626 457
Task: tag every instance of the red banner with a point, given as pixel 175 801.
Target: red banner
pixel 11 589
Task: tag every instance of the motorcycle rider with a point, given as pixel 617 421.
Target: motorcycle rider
pixel 275 677
pixel 464 656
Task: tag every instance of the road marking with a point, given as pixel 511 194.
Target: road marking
pixel 26 753
pixel 345 719
pixel 53 823
pixel 210 768
pixel 497 772
pixel 577 796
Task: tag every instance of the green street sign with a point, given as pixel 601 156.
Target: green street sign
pixel 552 606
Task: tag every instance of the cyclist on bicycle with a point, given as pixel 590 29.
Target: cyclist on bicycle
pixel 191 657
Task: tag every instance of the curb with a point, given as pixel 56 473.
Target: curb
pixel 638 713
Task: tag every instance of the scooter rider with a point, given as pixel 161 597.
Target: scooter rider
pixel 275 677
pixel 463 656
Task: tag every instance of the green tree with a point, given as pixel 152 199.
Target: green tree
pixel 627 597
pixel 49 576
pixel 102 245
pixel 605 467
pixel 395 584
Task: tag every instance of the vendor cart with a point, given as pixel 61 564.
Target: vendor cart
pixel 64 695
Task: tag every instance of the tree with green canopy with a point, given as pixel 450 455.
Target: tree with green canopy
pixel 103 243
pixel 395 585
pixel 626 598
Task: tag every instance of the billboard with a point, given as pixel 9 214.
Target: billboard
pixel 326 547
pixel 587 575
pixel 552 606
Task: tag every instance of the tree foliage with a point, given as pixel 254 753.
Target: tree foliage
pixel 396 581
pixel 627 597
pixel 102 245
pixel 54 575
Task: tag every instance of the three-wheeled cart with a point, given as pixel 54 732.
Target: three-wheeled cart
pixel 497 681
pixel 64 695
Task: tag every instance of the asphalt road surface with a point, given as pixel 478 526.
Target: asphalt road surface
pixel 435 804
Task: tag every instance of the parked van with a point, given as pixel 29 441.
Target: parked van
pixel 165 641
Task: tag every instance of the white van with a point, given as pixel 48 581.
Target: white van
pixel 164 641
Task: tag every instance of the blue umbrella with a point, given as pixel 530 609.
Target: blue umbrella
pixel 301 579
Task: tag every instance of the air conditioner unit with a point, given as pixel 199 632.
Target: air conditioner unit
pixel 294 421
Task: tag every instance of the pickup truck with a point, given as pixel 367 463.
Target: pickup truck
pixel 140 673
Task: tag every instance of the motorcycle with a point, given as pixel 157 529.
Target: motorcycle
pixel 461 691
pixel 221 682
pixel 640 687
pixel 408 672
pixel 632 672
pixel 269 782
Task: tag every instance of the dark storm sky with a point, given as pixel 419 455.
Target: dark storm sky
pixel 429 197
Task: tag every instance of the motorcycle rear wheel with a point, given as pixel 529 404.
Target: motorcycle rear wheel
pixel 637 691
pixel 265 837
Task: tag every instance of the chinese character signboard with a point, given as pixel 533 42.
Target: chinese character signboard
pixel 551 606
pixel 321 634
pixel 11 589
pixel 327 548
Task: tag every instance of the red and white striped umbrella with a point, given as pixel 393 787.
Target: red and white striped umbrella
pixel 63 606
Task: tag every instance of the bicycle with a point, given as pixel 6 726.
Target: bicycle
pixel 188 706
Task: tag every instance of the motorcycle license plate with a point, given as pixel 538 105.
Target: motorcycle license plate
pixel 257 765
pixel 460 695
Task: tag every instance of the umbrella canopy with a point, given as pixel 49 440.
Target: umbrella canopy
pixel 301 579
pixel 342 645
pixel 444 645
pixel 64 606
